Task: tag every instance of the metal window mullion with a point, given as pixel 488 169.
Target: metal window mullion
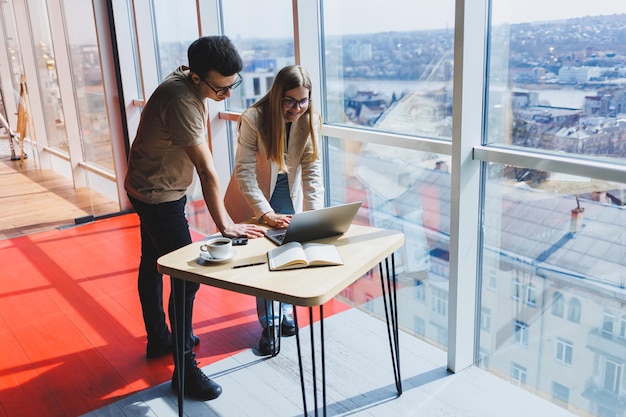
pixel 467 131
pixel 67 91
pixel 545 161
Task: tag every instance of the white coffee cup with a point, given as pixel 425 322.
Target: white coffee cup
pixel 217 247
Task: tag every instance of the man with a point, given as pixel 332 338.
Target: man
pixel 170 144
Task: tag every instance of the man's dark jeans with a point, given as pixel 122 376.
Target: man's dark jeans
pixel 164 228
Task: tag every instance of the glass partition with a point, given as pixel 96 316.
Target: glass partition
pixel 175 28
pixel 87 82
pixel 56 132
pixel 409 191
pixel 398 56
pixel 11 97
pixel 553 276
pixel 12 46
pixel 554 286
pixel 264 35
pixel 557 80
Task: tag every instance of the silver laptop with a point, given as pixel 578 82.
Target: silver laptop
pixel 316 224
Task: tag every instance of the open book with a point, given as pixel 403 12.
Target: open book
pixel 301 255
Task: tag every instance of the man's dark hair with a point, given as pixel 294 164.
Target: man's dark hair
pixel 215 53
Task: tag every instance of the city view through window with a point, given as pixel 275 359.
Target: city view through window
pixel 565 82
pixel 552 315
pixel 551 246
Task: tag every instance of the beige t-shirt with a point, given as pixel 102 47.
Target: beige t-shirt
pixel 175 116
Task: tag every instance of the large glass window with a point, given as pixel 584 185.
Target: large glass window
pixel 556 78
pixel 265 48
pixel 176 27
pixel 555 84
pixel 391 71
pixel 565 235
pixel 56 132
pixel 9 99
pixel 401 192
pixel 393 58
pixel 11 44
pixel 552 246
pixel 87 81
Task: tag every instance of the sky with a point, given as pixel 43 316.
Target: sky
pixel 273 19
pixel 367 16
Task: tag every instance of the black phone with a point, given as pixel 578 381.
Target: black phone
pixel 239 240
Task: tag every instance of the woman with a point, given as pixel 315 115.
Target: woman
pixel 277 170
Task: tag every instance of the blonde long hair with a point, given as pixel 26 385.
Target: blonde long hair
pixel 271 109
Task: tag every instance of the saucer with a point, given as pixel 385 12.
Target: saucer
pixel 205 257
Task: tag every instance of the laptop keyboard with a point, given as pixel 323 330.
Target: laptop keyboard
pixel 280 237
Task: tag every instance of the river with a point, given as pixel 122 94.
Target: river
pixel 556 97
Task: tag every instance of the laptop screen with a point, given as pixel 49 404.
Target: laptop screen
pixel 316 224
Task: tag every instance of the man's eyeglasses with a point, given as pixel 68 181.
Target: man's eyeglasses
pixel 223 90
pixel 290 103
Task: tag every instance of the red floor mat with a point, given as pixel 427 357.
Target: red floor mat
pixel 71 331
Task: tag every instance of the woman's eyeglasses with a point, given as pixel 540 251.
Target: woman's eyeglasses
pixel 223 90
pixel 291 103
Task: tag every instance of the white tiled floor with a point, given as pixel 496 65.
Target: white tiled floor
pixel 359 382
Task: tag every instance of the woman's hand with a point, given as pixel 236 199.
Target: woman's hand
pixel 276 220
pixel 251 231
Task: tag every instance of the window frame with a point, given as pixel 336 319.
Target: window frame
pixel 519 374
pixel 607 327
pixel 467 151
pixel 564 352
pixel 520 333
pixel 558 304
pixel 574 312
pixel 530 296
pixel 612 384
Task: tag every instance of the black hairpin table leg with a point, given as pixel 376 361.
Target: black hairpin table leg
pixel 390 299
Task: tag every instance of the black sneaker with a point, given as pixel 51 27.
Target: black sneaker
pixel 288 325
pixel 267 345
pixel 198 386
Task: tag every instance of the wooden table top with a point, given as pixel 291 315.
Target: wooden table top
pixel 361 249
